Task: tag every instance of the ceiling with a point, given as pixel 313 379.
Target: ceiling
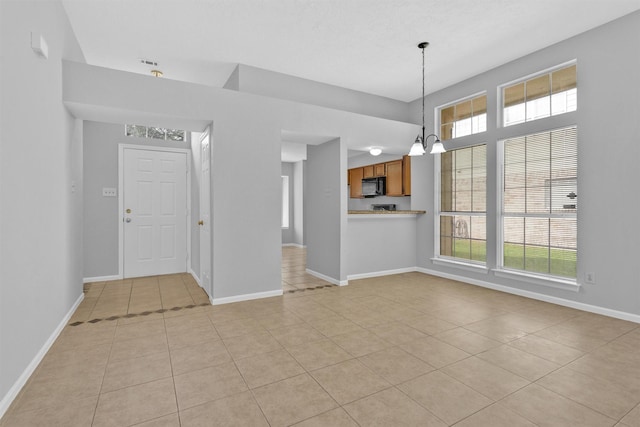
pixel 364 45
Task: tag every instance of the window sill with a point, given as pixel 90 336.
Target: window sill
pixel 476 268
pixel 552 282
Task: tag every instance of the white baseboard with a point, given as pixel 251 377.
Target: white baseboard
pixel 246 297
pixel 297 245
pixel 22 380
pixel 327 278
pixel 381 273
pixel 537 296
pixel 101 278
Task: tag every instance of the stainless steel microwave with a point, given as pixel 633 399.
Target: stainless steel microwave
pixel 372 187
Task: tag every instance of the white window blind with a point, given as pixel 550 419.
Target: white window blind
pixel 540 202
pixel 463 118
pixel 545 95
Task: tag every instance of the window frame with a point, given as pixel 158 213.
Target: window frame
pixel 438 114
pixel 165 133
pixel 500 93
pixel 438 258
pixel 285 220
pixel 500 270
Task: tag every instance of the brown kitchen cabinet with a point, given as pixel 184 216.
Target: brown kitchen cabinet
pixel 397 173
pixel 406 175
pixel 355 178
pixel 394 178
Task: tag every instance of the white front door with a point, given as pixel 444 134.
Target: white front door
pixel 155 212
pixel 205 213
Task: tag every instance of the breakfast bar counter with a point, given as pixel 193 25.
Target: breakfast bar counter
pixel 381 242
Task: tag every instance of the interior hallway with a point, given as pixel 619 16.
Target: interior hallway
pixel 408 349
pixel 294 275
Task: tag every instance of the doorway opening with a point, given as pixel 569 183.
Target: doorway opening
pixel 294 272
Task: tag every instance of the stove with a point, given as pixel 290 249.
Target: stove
pixel 389 207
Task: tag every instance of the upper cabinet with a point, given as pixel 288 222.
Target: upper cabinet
pixel 394 178
pixel 367 171
pixel 406 175
pixel 397 172
pixel 355 178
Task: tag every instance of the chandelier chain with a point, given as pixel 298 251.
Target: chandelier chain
pixel 423 92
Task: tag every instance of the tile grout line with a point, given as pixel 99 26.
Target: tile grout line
pixel 104 375
pixel 173 377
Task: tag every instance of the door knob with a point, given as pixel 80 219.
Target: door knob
pixel 128 220
pixel 201 222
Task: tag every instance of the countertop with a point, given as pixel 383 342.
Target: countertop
pixel 385 212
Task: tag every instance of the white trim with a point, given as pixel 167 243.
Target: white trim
pixel 537 296
pixel 548 70
pixel 327 278
pixel 245 297
pixel 381 273
pixel 297 245
pixel 30 369
pixel 500 96
pixel 552 282
pixel 469 266
pixel 457 101
pixel 101 278
pixel 121 148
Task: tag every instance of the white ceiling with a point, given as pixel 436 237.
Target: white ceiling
pixel 365 45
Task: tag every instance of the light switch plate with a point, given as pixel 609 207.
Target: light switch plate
pixel 109 192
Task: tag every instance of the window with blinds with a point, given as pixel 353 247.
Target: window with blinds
pixel 541 96
pixel 463 118
pixel 463 203
pixel 540 203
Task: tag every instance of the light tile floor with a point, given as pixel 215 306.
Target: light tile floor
pixel 294 272
pixel 408 349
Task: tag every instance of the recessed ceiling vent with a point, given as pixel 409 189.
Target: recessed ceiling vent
pixel 149 62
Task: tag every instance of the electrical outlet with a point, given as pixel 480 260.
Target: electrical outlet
pixel 109 192
pixel 590 277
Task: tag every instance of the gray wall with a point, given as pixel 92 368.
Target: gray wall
pixel 101 216
pixel 288 233
pixel 608 58
pixel 325 206
pixel 402 202
pixel 40 187
pixel 233 82
pixel 380 245
pixel 245 185
pixel 298 202
pixel 276 85
pixel 366 159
